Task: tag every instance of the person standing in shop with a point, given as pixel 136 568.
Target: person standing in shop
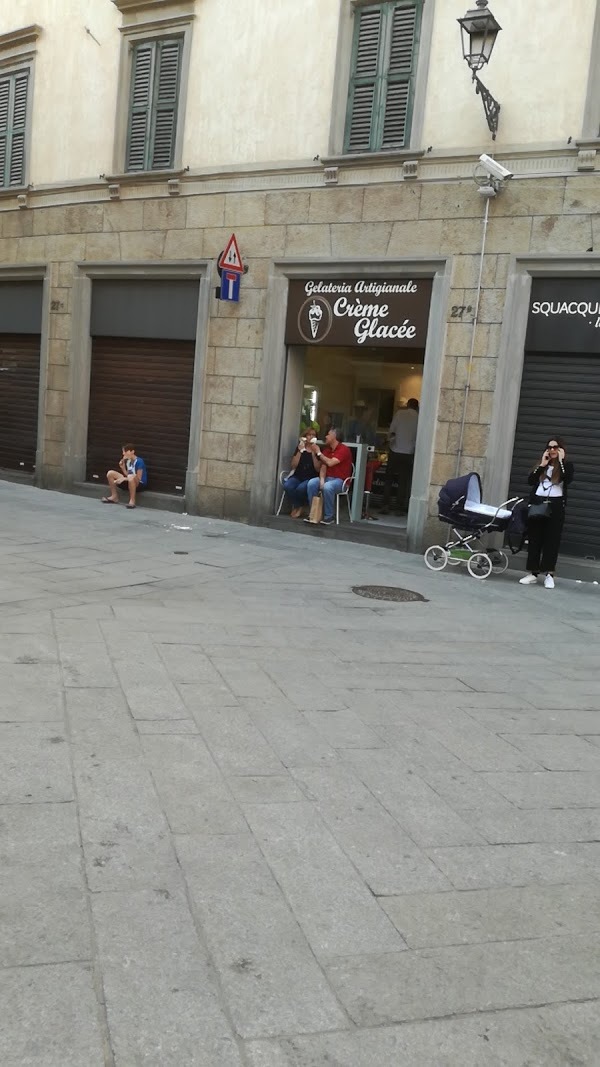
pixel 401 455
pixel 550 481
pixel 361 426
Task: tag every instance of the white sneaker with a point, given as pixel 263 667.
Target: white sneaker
pixel 529 579
pixel 549 582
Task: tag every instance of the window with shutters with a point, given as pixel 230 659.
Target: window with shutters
pixel 382 79
pixel 591 115
pixel 153 104
pixel 14 90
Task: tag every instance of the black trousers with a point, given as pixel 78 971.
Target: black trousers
pixel 544 538
pixel 399 467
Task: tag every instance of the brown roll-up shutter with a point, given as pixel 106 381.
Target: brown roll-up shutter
pixel 141 393
pixel 19 394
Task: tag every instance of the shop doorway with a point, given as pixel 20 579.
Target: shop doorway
pixel 360 390
pixel 19 392
pixel 355 358
pixel 142 378
pixel 560 394
pixel 20 341
pixel 150 408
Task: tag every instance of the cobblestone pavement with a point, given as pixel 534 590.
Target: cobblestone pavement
pixel 249 818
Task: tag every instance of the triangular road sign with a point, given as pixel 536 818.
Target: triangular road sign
pixel 230 259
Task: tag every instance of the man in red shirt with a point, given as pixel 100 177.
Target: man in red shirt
pixel 336 466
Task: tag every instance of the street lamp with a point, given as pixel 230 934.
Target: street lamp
pixel 479 30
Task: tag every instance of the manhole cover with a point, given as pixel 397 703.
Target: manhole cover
pixel 180 552
pixel 387 592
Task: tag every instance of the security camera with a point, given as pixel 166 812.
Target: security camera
pixel 494 169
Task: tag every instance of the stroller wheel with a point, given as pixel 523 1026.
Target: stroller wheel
pixel 436 558
pixel 499 561
pixel 479 565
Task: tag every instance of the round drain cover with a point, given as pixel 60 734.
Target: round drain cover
pixel 387 592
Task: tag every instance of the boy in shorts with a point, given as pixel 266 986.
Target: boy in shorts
pixel 132 476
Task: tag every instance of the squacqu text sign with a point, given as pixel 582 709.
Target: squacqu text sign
pixel 564 315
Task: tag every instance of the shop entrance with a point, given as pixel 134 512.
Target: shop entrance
pixel 142 375
pixel 560 394
pixel 19 388
pixel 21 317
pixel 563 390
pixel 355 360
pixel 360 390
pixel 159 376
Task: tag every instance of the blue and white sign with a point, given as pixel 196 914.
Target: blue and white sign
pixel 230 285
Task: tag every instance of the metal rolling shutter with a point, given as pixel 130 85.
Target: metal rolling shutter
pixel 19 394
pixel 560 394
pixel 141 392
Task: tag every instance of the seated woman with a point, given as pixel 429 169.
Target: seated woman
pixel 304 467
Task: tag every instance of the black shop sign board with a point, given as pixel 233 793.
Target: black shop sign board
pixel 564 315
pixel 377 313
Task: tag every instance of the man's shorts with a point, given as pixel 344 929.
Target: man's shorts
pixel 125 487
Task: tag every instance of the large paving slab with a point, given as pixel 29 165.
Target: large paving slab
pixel 429 983
pixel 564 1035
pixel 162 1007
pixel 49 1017
pixel 249 819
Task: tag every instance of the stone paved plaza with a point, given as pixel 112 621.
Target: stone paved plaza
pixel 250 818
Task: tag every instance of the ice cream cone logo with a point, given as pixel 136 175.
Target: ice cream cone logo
pixel 315 319
pixel 315 314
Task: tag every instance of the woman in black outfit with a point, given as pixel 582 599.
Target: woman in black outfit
pixel 549 481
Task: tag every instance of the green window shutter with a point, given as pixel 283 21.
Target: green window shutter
pixel 4 122
pixel 13 127
pixel 383 68
pixel 154 97
pixel 168 72
pixel 400 74
pixel 142 77
pixel 364 89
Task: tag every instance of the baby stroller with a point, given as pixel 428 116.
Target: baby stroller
pixel 459 505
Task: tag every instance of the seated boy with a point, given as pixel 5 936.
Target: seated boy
pixel 132 477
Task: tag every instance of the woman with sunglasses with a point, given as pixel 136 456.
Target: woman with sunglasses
pixel 549 481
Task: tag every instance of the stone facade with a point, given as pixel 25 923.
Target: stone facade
pixel 553 215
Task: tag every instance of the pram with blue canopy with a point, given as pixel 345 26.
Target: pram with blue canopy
pixel 461 507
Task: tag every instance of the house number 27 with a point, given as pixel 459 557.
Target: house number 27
pixel 459 310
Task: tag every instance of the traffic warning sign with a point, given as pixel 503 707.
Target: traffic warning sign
pixel 230 258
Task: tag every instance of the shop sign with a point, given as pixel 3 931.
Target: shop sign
pixel 564 315
pixel 379 314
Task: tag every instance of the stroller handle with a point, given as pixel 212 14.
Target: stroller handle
pixel 508 503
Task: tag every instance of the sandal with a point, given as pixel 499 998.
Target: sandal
pixel 130 507
pixel 109 500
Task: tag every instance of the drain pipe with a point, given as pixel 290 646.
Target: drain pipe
pixel 473 334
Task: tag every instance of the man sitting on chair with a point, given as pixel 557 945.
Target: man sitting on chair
pixel 304 467
pixel 336 466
